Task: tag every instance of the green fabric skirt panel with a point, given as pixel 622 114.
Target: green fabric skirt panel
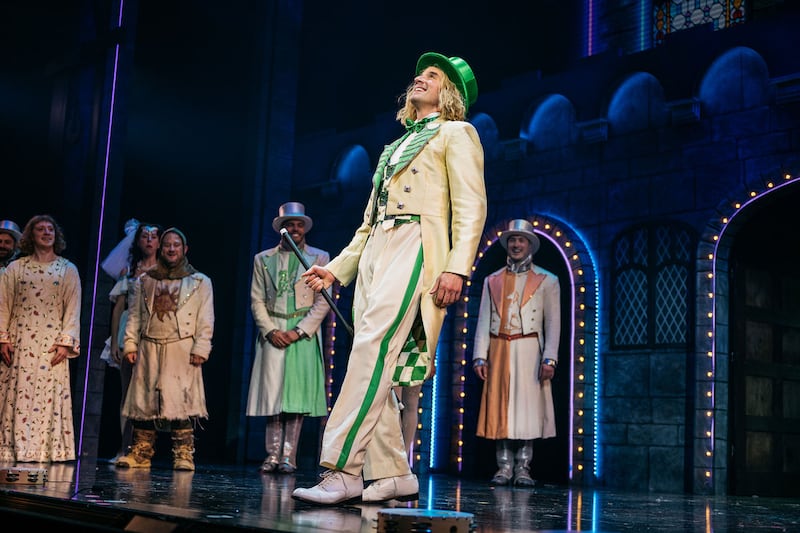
pixel 304 378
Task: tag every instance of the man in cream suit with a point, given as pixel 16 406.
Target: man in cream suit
pixel 516 353
pixel 410 258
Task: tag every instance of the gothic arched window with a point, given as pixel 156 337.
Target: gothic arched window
pixel 652 286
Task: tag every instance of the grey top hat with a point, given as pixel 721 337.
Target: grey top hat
pixel 522 227
pixel 291 210
pixel 10 227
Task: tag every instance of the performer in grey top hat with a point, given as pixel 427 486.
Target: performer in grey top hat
pixel 516 353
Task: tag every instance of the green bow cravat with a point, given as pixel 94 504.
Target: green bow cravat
pixel 417 126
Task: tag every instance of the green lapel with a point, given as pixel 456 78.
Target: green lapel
pixel 416 146
pixel 411 151
pixel 271 266
pixel 388 150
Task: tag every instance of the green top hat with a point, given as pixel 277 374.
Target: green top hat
pixel 457 70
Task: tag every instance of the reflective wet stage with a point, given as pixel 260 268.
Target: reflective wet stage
pixel 89 496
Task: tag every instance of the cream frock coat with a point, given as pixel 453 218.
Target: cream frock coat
pixel 265 394
pixel 528 412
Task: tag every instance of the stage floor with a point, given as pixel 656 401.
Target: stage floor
pixel 95 496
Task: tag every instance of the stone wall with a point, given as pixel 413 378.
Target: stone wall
pixel 621 141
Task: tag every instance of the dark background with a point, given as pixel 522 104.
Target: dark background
pixel 188 117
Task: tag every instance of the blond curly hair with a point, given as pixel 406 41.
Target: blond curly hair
pixel 451 102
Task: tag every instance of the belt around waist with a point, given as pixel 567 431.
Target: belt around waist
pixel 300 312
pixel 169 340
pixel 415 218
pixel 398 219
pixel 513 337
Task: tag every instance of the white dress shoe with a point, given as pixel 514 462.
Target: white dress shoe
pixel 336 487
pixel 392 488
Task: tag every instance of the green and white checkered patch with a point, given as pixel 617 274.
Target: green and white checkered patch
pixel 414 363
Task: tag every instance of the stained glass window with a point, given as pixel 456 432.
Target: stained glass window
pixel 670 16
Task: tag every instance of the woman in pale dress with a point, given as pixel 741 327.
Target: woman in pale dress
pixel 140 256
pixel 40 307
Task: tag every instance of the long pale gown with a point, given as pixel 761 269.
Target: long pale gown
pixel 40 306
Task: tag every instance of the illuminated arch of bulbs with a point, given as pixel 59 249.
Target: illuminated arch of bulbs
pixel 583 349
pixel 712 343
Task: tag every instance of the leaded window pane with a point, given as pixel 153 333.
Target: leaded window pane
pixel 630 300
pixel 672 244
pixel 683 247
pixel 671 305
pixel 632 250
pixel 640 248
pixel 622 253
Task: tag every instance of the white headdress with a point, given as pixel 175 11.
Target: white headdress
pixel 116 262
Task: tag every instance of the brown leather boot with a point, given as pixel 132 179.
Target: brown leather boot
pixel 183 449
pixel 141 451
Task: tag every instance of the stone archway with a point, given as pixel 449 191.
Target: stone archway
pixel 570 258
pixel 719 376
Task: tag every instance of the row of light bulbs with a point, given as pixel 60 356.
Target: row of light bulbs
pixel 578 458
pixel 735 209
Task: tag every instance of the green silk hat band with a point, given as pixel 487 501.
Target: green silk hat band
pixel 457 70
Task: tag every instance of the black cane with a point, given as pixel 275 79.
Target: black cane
pixel 288 238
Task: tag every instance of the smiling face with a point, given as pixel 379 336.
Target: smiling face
pixel 44 235
pixel 297 230
pixel 518 247
pixel 7 246
pixel 172 249
pixel 425 92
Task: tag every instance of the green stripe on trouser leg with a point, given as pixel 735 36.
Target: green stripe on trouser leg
pixel 375 379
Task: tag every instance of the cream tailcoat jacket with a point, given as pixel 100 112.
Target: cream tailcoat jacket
pixel 444 185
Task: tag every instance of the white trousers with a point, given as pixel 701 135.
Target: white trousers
pixel 363 433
